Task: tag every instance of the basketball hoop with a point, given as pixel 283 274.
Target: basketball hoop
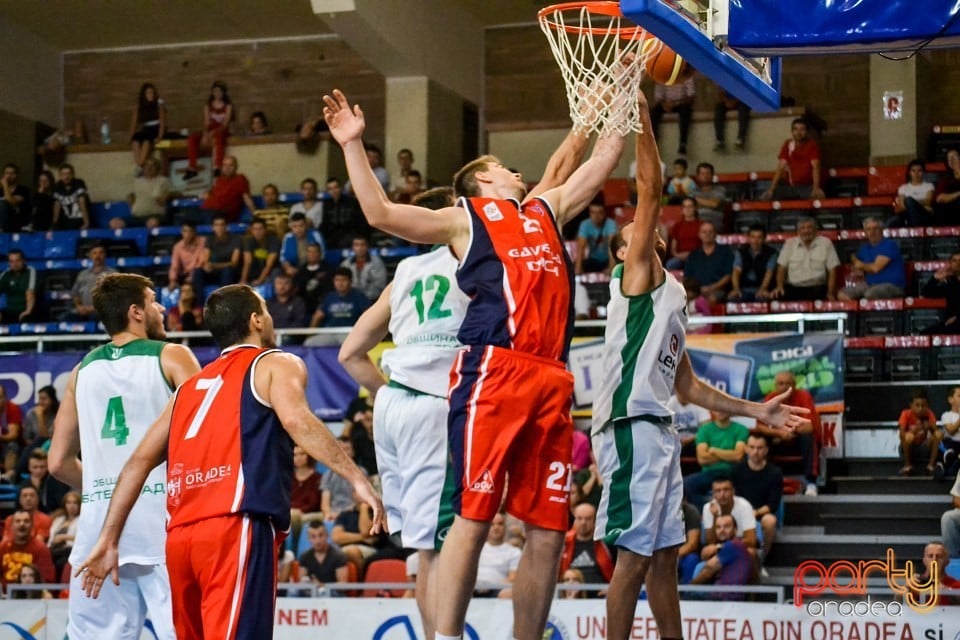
pixel 601 56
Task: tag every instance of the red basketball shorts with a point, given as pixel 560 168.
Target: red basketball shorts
pixel 510 428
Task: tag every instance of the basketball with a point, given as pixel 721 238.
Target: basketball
pixel 665 66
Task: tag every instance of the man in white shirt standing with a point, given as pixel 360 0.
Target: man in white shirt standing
pixel 498 560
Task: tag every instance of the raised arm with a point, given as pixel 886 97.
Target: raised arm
pixel 642 269
pixel 578 191
pixel 562 163
pixel 410 222
pixel 369 330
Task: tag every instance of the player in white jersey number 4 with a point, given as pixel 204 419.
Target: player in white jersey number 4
pixel 637 447
pixel 112 398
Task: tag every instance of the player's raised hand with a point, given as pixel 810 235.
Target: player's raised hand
pixel 777 414
pixel 104 559
pixel 345 124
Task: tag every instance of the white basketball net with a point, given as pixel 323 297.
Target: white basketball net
pixel 602 63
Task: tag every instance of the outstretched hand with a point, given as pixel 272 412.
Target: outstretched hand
pixel 346 124
pixel 104 559
pixel 777 414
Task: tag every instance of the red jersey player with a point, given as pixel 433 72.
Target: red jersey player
pixel 510 390
pixel 226 436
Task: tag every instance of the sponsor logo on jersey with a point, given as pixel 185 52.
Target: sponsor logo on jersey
pixel 669 360
pixel 674 344
pixel 484 484
pixel 175 484
pixel 492 212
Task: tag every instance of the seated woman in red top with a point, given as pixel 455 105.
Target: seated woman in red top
pixel 685 235
pixel 305 493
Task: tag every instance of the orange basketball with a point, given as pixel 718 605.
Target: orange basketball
pixel 666 67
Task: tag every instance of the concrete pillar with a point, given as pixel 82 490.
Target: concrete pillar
pixel 894 141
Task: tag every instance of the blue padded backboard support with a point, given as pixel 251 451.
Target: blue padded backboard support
pixel 677 31
pixel 775 27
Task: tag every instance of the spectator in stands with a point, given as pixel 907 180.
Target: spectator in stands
pixel 726 502
pixel 310 207
pixel 710 264
pixel 11 421
pixel 761 483
pixel 498 560
pixel 580 551
pixel 593 241
pixel 313 280
pixel 351 532
pixel 260 252
pixel 913 206
pixel 187 255
pixel 688 418
pixel 685 235
pixel 710 196
pixel 148 124
pixel 82 292
pixel 412 186
pixel 229 194
pixel 259 126
pixel 950 439
pixel 63 530
pixel 19 284
pixel 936 552
pixel 798 168
pixel 697 305
pixel 306 492
pixel 727 560
pixel 880 264
pixel 945 283
pixel 14 201
pixel 342 217
pixel 676 98
pixel 404 167
pixel 322 563
pixel 187 314
pixel 807 266
pixel 754 267
pixel 946 208
pixel 368 271
pixel 358 426
pixel 572 577
pixel 29 575
pixel 50 491
pixel 22 547
pixel 950 522
pixel 680 185
pixel 919 436
pixel 293 249
pixel 38 425
pixel 725 103
pixel 217 116
pixel 721 444
pixel 222 254
pixel 337 492
pixel 375 158
pixel 805 439
pixel 270 196
pixel 151 191
pixel 41 214
pixel 28 501
pixel 70 201
pixel 286 308
pixel 688 554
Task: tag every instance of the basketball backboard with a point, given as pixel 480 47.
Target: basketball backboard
pixel 697 30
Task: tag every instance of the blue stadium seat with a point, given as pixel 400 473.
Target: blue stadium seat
pixel 265 290
pixel 63 265
pixel 77 327
pixel 30 243
pixel 953 568
pixel 4 243
pixel 61 245
pixel 103 212
pixel 8 329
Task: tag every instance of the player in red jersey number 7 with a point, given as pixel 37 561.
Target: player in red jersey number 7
pixel 226 435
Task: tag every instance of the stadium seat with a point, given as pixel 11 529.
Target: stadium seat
pixel 953 568
pixel 61 245
pixel 864 359
pixel 905 358
pixel 386 570
pixel 30 243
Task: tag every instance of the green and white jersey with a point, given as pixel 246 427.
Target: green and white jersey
pixel 120 392
pixel 643 344
pixel 426 310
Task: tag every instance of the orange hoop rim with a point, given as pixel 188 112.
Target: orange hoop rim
pixel 598 7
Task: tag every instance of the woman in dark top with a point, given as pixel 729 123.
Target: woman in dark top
pixel 946 210
pixel 41 217
pixel 148 124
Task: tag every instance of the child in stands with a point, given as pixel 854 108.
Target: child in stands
pixel 919 436
pixel 950 444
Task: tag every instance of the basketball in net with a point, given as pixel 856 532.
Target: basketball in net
pixel 602 57
pixel 666 67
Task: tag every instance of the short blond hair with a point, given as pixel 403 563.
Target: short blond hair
pixel 465 181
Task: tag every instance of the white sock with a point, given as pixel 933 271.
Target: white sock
pixel 440 636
